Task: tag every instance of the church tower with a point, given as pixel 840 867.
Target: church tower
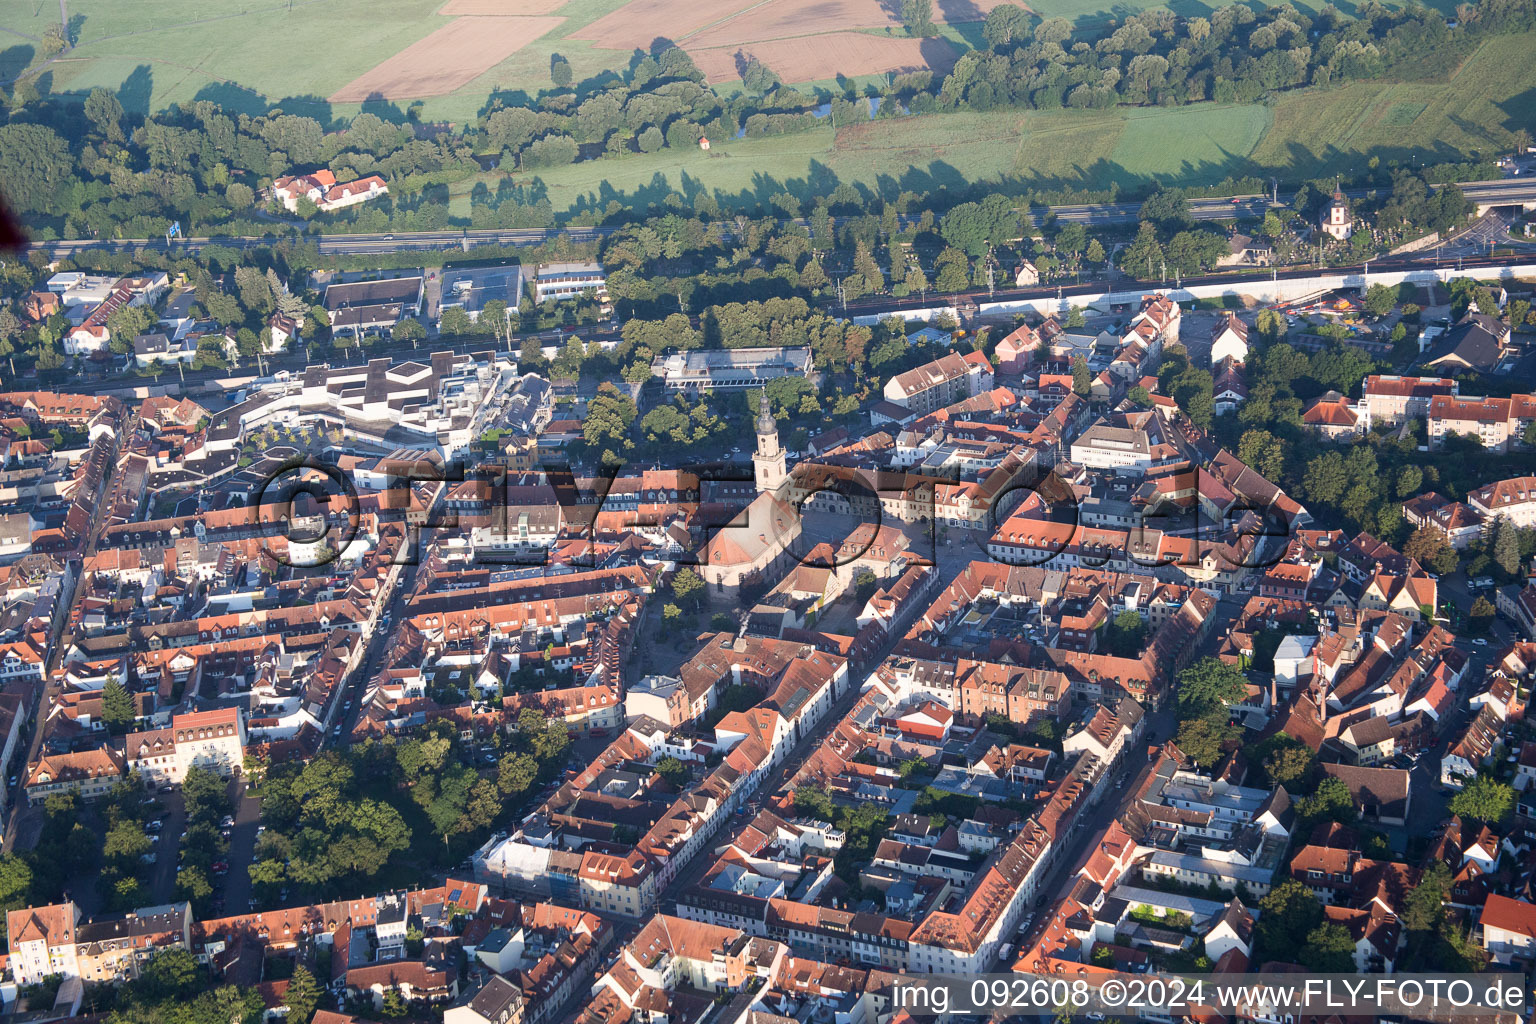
pixel 768 460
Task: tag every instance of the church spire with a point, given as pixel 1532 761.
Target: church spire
pixel 766 424
pixel 768 461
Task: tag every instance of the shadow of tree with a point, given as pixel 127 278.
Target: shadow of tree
pixel 15 59
pixel 136 90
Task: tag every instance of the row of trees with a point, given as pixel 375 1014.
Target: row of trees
pixel 1233 55
pixel 93 169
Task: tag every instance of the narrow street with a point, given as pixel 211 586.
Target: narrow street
pixel 23 822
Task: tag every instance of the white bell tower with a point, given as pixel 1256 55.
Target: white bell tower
pixel 768 460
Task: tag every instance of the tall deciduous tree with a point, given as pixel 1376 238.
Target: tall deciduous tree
pixel 917 16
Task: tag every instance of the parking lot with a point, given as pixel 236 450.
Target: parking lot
pixel 232 887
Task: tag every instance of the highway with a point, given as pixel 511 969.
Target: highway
pixel 1249 207
pixel 1507 190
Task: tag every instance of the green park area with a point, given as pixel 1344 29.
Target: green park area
pixel 1303 133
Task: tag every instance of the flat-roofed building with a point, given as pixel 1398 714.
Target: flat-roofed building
pixel 730 369
pixel 567 280
pixel 403 291
pixel 471 288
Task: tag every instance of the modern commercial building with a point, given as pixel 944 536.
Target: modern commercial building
pixel 733 368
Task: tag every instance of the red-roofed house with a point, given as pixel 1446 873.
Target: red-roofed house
pixel 1332 416
pixel 1509 929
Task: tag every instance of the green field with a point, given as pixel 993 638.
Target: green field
pixel 1313 132
pixel 1477 109
pixel 252 54
pixel 921 154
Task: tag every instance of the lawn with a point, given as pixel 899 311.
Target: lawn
pixel 1049 148
pixel 1309 133
pixel 1323 131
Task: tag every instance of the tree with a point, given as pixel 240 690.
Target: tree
pixel 1326 478
pixel 1290 912
pixel 917 16
pixel 651 139
pixel 204 793
pixel 1192 251
pixel 1329 948
pixel 34 163
pixel 15 881
pixel 1004 24
pixel 1506 546
pixel 516 773
pixel 1082 377
pixel 1095 252
pixel 1428 547
pixel 48 358
pixel 1480 615
pixel 1291 764
pixel 192 885
pixel 117 709
pixel 1379 299
pixel 687 586
pixel 1124 634
pixel 171 973
pixel 1167 208
pixel 302 997
pixel 1204 739
pixel 1330 802
pixel 950 276
pixel 1262 451
pixel 455 322
pixel 105 111
pixel 673 770
pixel 1484 799
pixel 864 266
pixel 393 1006
pixel 814 802
pixel 1424 904
pixel 917 283
pixel 1208 685
pixel 759 77
pixel 1143 258
pixel 1519 313
pixel 559 71
pixel 128 323
pixel 239 195
pixel 1270 325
